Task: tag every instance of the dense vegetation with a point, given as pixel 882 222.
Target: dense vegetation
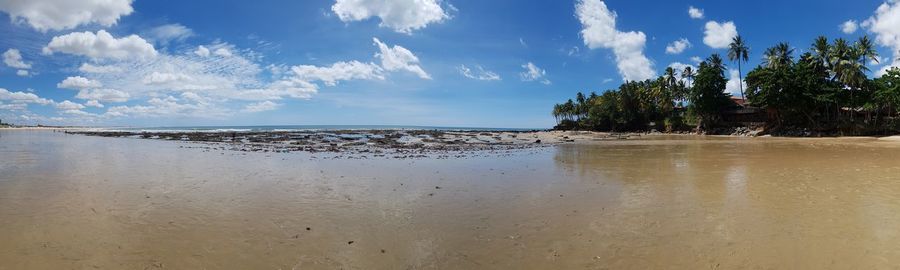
pixel 826 91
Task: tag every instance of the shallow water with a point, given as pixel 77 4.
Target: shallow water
pixel 75 202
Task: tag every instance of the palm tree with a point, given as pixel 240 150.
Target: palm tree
pixel 715 61
pixel 580 105
pixel 779 56
pixel 670 77
pixel 847 67
pixel 557 111
pixel 866 50
pixel 688 74
pixel 739 52
pixel 822 50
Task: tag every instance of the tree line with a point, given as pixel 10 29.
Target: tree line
pixel 826 91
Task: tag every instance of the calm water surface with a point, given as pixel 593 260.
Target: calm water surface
pixel 76 202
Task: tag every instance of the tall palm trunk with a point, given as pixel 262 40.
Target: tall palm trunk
pixel 741 83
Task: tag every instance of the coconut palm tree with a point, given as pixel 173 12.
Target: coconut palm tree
pixel 557 110
pixel 781 55
pixel 688 74
pixel 739 52
pixel 822 50
pixel 715 61
pixel 847 67
pixel 866 50
pixel 670 77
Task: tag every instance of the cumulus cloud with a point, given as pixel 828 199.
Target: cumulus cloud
pixel 223 52
pixel 22 97
pixel 399 58
pixel 849 27
pixel 104 95
pixel 340 71
pixel 162 78
pixel 696 59
pixel 22 73
pixel 678 46
pixel 13 59
pixel 68 105
pixel 733 86
pixel 480 74
pixel 202 51
pixel 164 34
pixel 679 69
pixel 533 73
pixel 403 16
pixel 168 106
pixel 44 15
pixel 719 35
pixel 101 45
pixel 599 31
pixel 188 84
pixel 261 106
pixel 885 24
pixel 93 103
pixel 695 13
pixel 78 83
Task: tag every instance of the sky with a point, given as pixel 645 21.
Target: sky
pixel 459 63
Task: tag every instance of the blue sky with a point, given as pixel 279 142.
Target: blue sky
pixel 403 62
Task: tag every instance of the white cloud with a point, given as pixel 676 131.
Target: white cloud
pixel 696 59
pixel 261 107
pixel 679 69
pixel 44 15
pixel 678 46
pixel 22 97
pixel 695 13
pixel 534 73
pixel 89 68
pixel 885 24
pixel 733 86
pixel 93 103
pixel 13 59
pixel 480 74
pixel 78 82
pixel 403 16
pixel 104 95
pixel 187 84
pixel 719 35
pixel 202 51
pixel 849 27
pixel 101 46
pixel 169 106
pixel 22 73
pixel 68 106
pixel 13 107
pixel 223 52
pixel 599 31
pixel 399 58
pixel 574 51
pixel 340 71
pixel 170 32
pixel 162 78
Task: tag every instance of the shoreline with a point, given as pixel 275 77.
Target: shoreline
pixel 402 143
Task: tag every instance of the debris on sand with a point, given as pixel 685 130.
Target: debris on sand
pixel 364 143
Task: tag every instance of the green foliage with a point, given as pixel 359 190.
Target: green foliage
pixel 826 89
pixel 707 96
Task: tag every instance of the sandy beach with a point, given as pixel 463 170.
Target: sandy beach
pixel 73 202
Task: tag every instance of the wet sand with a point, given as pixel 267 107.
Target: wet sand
pixel 685 202
pixel 393 143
